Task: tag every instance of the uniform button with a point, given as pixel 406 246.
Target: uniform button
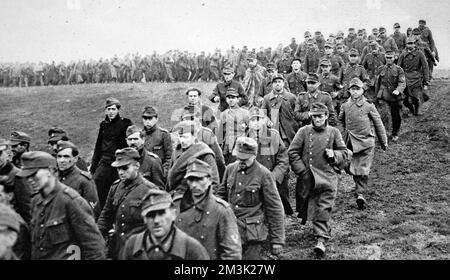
pixel 238 195
pixel 207 212
pixel 123 206
pixel 123 216
pixel 237 206
pixel 240 184
pixel 156 249
pixel 310 153
pixel 42 225
pixel 41 249
pixel 122 234
pixel 122 224
pixel 202 237
pixel 179 220
pixel 253 190
pixel 242 172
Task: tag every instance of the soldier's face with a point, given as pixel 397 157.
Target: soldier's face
pixel 111 112
pixel 198 185
pixel 328 50
pixel 135 141
pixel 252 62
pixel 228 76
pixel 312 86
pixel 353 58
pixel 319 120
pixel 39 180
pixel 65 159
pixel 296 65
pixel 389 60
pixel 278 85
pixel 193 98
pixel 339 40
pixel 257 123
pixel 340 50
pixel 232 100
pixel 149 122
pixel 325 69
pixel 245 163
pixel 160 222
pixel 18 149
pixel 186 140
pixel 129 171
pixel 356 92
pixel 53 146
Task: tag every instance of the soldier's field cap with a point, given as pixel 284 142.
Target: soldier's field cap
pixel 55 134
pixel 271 66
pixel 186 126
pixel 231 92
pixel 396 25
pixel 65 145
pixel 373 43
pixel 353 51
pixel 339 36
pixel 312 77
pixel 307 33
pixel 310 42
pixel 328 45
pixel 382 29
pixel 360 32
pixel 228 70
pixel 125 156
pixel 35 160
pixel 278 77
pixel 422 21
pixel 356 82
pixel 149 111
pixel 245 148
pixel 325 62
pixel 375 30
pixel 132 129
pixel 416 31
pixel 112 101
pixel 318 108
pixel 197 168
pixel 351 29
pixel 251 56
pixel 389 54
pixel 156 200
pixel 317 33
pixel 256 112
pixel 8 218
pixel 18 137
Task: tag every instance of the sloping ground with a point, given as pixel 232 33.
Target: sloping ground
pixel 408 213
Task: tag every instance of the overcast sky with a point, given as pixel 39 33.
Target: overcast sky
pixel 63 30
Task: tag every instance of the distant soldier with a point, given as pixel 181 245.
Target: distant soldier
pixel 56 134
pixel 62 224
pixel 305 100
pixel 350 38
pixel 427 36
pixel 266 85
pixel 336 60
pixel 150 165
pixel 359 43
pixel 314 155
pixel 357 117
pixel 284 64
pixel 400 39
pixel 320 42
pixel 425 48
pixel 19 193
pixel 312 57
pixel 123 206
pixel 302 47
pixel 415 65
pixel 350 71
pixel 219 92
pixel 161 239
pixel 70 175
pixel 372 61
pixel 157 139
pixel 389 86
pixel 19 143
pixel 388 43
pixel 111 136
pixel 272 153
pixel 279 106
pixel 254 75
pixel 342 52
pixel 189 147
pixel 329 83
pixel 233 122
pixel 206 217
pixel 296 80
pixel 201 111
pixel 293 46
pixel 251 191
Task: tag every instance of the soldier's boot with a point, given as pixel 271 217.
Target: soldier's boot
pixel 361 202
pixel 319 249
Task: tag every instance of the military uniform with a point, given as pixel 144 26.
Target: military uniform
pixel 206 136
pixel 82 182
pixel 330 84
pixel 371 63
pixel 221 90
pixel 158 141
pixel 296 82
pixel 151 168
pixel 349 72
pixel 210 220
pixel 312 59
pixel 336 62
pixel 400 41
pixel 111 136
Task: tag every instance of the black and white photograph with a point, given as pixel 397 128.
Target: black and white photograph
pixel 216 130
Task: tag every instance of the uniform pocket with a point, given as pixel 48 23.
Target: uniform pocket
pixel 251 196
pixel 135 208
pixel 57 230
pixel 255 229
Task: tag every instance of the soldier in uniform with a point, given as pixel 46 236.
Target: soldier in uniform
pixel 254 76
pixel 272 153
pixel 9 232
pixel 315 154
pixel 111 136
pixel 388 43
pixel 124 203
pixel 161 239
pixel 350 71
pixel 296 80
pixel 62 224
pixel 18 191
pixel 359 43
pixel 250 189
pixel 305 100
pixel 266 85
pixel 350 38
pixel 284 64
pixel 357 117
pixel 336 60
pixel 189 147
pixel 19 142
pixel 399 38
pixel 427 37
pixel 70 175
pixel 150 164
pixel 329 83
pixel 312 57
pixel 415 65
pixel 206 217
pixel 157 139
pixel 389 86
pixel 203 112
pixel 56 134
pixel 342 52
pixel 372 61
pixel 220 91
pixel 302 47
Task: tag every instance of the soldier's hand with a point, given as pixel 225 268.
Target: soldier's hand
pixel 395 92
pixel 329 153
pixel 276 249
pixel 216 99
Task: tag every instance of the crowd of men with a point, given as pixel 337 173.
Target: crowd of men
pixel 176 65
pixel 216 185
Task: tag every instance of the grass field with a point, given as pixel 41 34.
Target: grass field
pixel 408 215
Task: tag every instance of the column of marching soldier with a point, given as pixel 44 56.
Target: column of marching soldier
pixel 216 186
